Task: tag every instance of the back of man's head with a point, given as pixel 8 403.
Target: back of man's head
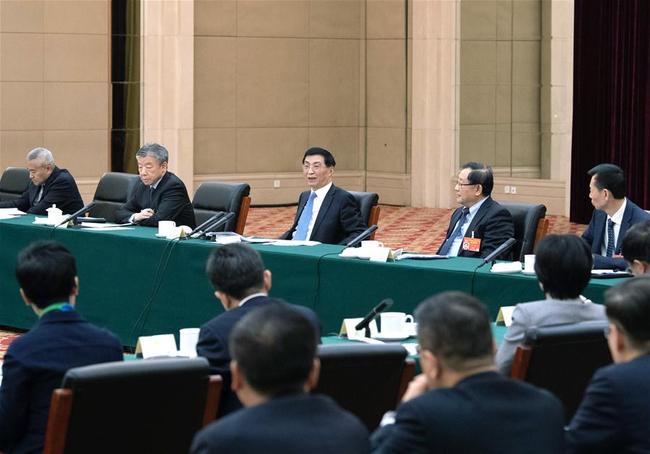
pixel 610 177
pixel 480 174
pixel 628 306
pixel 636 243
pixel 236 270
pixel 328 157
pixel 46 273
pixel 274 347
pixel 563 265
pixel 455 327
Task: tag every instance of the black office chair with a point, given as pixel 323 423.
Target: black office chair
pixel 113 190
pixel 213 197
pixel 132 407
pixel 13 183
pixel 562 359
pixel 526 218
pixel 368 205
pixel 367 380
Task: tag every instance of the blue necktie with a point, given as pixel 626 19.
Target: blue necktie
pixel 305 219
pixel 610 238
pixel 444 250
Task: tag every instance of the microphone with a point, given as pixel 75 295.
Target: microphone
pixel 198 231
pixel 505 247
pixel 378 309
pixel 362 236
pixel 77 213
pixel 225 218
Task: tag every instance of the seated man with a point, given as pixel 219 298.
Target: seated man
pixel 325 213
pixel 481 225
pixel 460 404
pixel 274 366
pixel 615 411
pixel 613 216
pixel 159 195
pixel 36 361
pixel 241 284
pixel 48 186
pixel 636 248
pixel 563 268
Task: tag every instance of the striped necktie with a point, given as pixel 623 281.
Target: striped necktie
pixel 610 238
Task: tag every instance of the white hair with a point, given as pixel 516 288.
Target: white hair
pixel 41 152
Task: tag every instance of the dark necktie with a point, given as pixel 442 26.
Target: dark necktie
pixel 610 238
pixel 305 219
pixel 39 194
pixel 458 231
pixel 150 201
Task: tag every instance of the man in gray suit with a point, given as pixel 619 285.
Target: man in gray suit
pixel 563 267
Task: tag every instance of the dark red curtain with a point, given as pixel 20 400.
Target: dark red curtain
pixel 611 97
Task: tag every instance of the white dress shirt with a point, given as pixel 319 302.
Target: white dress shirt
pixel 318 202
pixel 455 246
pixel 617 218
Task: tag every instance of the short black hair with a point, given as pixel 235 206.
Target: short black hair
pixel 563 265
pixel 275 347
pixel 610 177
pixel 456 327
pixel 628 306
pixel 480 174
pixel 46 272
pixel 236 270
pixel 318 151
pixel 636 243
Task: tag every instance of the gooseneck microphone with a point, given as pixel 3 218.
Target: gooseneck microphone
pixel 225 218
pixel 505 247
pixel 198 231
pixel 362 236
pixel 76 213
pixel 378 309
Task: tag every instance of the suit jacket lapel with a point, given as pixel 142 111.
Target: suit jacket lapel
pixel 479 215
pixel 452 222
pixel 626 223
pixel 322 212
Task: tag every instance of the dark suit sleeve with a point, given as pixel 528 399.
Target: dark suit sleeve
pixel 350 219
pixel 497 229
pixel 172 201
pixel 588 235
pixel 607 263
pixel 14 398
pixel 212 347
pixel 407 435
pixel 22 203
pixel 595 426
pixel 131 206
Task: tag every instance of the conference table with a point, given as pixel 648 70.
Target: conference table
pixel 135 283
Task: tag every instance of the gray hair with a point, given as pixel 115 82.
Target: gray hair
pixel 153 149
pixel 41 152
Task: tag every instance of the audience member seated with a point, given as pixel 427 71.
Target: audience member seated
pixel 326 213
pixel 159 195
pixel 563 267
pixel 614 416
pixel 479 225
pixel 274 366
pixel 48 186
pixel 636 248
pixel 241 284
pixel 36 362
pixel 460 403
pixel 614 214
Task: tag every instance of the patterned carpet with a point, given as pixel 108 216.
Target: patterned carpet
pixel 414 229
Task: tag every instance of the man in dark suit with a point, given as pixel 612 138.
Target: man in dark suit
pixel 480 225
pixel 332 215
pixel 614 214
pixel 159 195
pixel 241 284
pixel 614 416
pixel 274 366
pixel 636 248
pixel 460 403
pixel 48 186
pixel 36 361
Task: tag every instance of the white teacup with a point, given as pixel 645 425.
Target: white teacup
pixel 188 340
pixel 371 244
pixel 529 263
pixel 394 323
pixel 166 227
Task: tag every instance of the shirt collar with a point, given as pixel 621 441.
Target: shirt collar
pixel 250 297
pixel 474 208
pixel 618 216
pixel 155 185
pixel 322 192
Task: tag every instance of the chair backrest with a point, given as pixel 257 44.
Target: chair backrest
pixel 368 206
pixel 213 197
pixel 134 406
pixel 13 183
pixel 367 380
pixel 525 217
pixel 562 359
pixel 113 190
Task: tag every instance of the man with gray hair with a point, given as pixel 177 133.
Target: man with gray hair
pixel 48 186
pixel 159 195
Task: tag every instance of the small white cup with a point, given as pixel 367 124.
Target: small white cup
pixel 394 323
pixel 188 340
pixel 529 263
pixel 166 227
pixel 54 215
pixel 371 244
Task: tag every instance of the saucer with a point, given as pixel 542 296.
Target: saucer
pixel 391 337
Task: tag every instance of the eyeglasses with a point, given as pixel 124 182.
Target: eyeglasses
pixel 458 183
pixel 317 166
